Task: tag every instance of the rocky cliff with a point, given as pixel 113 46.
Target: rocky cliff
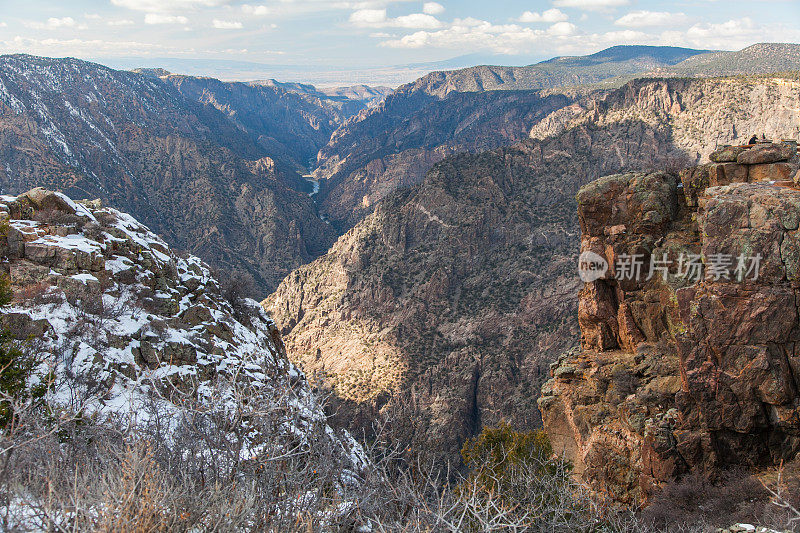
pixel 393 145
pixel 289 125
pixel 700 114
pixel 128 331
pixel 467 110
pixel 209 184
pixel 689 324
pixel 452 297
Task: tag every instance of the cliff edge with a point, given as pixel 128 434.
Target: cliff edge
pixel 689 324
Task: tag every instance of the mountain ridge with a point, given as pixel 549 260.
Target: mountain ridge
pixel 207 183
pixel 358 166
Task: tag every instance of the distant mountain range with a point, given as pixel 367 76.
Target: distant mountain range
pixel 757 59
pixel 557 72
pixel 393 145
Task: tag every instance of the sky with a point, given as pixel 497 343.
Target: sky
pixel 375 34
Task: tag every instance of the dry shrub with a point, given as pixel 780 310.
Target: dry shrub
pixel 58 217
pixel 734 497
pixel 136 495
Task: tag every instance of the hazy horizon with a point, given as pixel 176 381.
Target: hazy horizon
pixel 374 41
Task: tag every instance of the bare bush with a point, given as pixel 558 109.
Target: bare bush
pixel 58 217
pixel 228 460
pixel 785 499
pixel 237 288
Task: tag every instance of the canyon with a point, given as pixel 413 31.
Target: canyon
pixel 449 301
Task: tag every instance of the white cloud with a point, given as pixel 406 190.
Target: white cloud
pixel 80 47
pixel 474 34
pixel 227 24
pixel 591 4
pixel 551 15
pixel 158 18
pixel 65 22
pixel 733 34
pixel 622 37
pixel 432 8
pixel 54 23
pixel 3 25
pixel 562 29
pixel 725 29
pixel 417 20
pixel 92 16
pixel 641 19
pixel 259 11
pixel 368 17
pixel 165 6
pixel 376 18
pixel 121 22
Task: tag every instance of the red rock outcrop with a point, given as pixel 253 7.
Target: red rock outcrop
pixel 689 358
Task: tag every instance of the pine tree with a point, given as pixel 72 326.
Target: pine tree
pixel 16 367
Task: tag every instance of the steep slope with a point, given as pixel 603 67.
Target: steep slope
pixel 450 299
pixel 289 125
pixel 759 58
pixel 131 332
pixel 395 145
pixel 700 113
pixel 197 178
pixel 693 369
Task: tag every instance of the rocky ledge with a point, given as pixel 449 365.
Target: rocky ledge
pixel 689 358
pixel 123 322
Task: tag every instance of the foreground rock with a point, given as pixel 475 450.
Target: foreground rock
pixel 690 365
pixel 125 324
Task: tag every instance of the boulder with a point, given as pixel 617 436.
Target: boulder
pixel 46 200
pixel 767 153
pixel 24 272
pixel 727 154
pixel 727 173
pixel 781 171
pixel 196 314
pixel 22 327
pixel 695 180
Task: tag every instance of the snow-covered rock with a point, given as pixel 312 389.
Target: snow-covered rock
pixel 106 300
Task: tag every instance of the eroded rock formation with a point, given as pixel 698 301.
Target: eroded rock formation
pixel 691 363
